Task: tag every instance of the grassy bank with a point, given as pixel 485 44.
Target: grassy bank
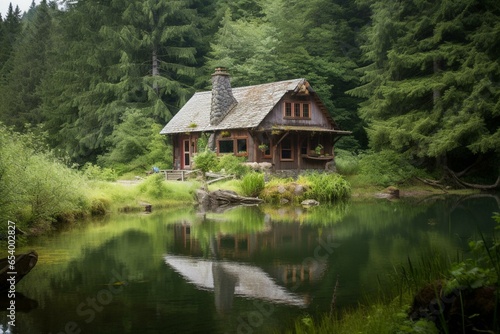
pixel 40 192
pixel 134 196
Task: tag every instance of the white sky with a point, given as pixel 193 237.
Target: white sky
pixel 24 5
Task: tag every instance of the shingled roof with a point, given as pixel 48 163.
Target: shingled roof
pixel 254 104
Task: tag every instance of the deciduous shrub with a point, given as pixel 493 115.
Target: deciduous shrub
pixel 95 172
pixel 155 186
pixel 206 161
pixel 232 164
pixel 35 187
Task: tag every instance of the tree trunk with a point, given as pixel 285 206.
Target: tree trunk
pixel 155 71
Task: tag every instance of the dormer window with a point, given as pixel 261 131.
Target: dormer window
pixel 297 110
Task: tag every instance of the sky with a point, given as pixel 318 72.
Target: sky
pixel 24 5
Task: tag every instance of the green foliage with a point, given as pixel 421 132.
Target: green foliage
pixel 482 269
pixel 206 161
pixel 385 168
pixel 95 172
pixel 27 67
pixel 227 163
pixel 326 187
pixel 278 189
pixel 231 164
pixel 347 163
pixel 155 187
pixel 136 144
pixel 252 184
pixel 380 318
pixel 36 188
pixel 431 85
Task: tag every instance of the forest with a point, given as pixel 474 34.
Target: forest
pixel 98 79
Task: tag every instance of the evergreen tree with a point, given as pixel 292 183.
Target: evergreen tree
pixel 432 88
pixel 27 69
pixel 11 27
pixel 157 54
pixel 292 39
pixel 76 106
pixel 247 48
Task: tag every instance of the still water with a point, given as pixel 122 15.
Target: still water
pixel 248 270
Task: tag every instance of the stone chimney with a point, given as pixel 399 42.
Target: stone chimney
pixel 222 96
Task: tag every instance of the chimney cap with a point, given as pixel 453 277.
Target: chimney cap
pixel 220 70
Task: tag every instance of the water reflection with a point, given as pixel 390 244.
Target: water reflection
pixel 186 273
pixel 227 279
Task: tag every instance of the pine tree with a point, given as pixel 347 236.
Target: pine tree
pixel 11 27
pixel 432 87
pixel 78 112
pixel 25 71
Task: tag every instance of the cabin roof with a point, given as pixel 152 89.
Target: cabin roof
pixel 254 104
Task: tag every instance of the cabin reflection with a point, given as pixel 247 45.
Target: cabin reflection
pixel 233 258
pixel 227 279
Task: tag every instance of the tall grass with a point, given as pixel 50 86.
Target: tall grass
pixel 132 197
pixel 326 187
pixel 252 184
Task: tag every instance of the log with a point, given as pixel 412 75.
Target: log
pixel 218 199
pixel 225 197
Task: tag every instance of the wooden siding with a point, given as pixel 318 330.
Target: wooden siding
pixel 303 143
pixel 276 116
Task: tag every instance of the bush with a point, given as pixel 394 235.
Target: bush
pixel 385 168
pixel 155 186
pixel 95 172
pixel 326 187
pixel 347 163
pixel 252 184
pixel 206 161
pixel 35 187
pixel 232 164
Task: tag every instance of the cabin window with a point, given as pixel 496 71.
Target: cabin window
pixel 237 146
pixel 286 149
pixel 267 148
pixel 297 110
pixel 304 147
pixel 226 146
pixel 288 109
pixel 305 110
pixel 241 146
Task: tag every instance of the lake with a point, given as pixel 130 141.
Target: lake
pixel 247 270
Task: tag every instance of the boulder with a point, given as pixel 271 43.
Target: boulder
pixel 309 202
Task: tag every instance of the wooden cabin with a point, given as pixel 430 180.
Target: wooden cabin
pixel 282 123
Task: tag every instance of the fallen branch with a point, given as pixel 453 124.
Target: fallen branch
pixel 472 185
pixel 433 183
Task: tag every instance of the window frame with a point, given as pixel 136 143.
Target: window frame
pixel 224 140
pixel 290 110
pixel 291 149
pixel 265 154
pixel 234 140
